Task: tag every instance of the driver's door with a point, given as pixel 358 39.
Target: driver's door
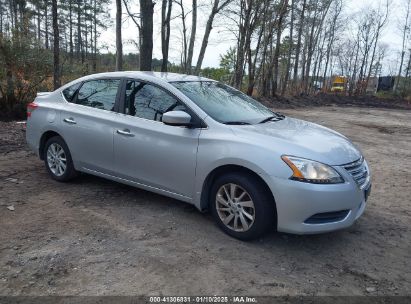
pixel 149 152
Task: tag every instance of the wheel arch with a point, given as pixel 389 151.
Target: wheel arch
pixel 44 138
pixel 216 172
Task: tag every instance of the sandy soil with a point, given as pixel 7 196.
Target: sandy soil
pixel 97 237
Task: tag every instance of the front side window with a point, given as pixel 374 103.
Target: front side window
pixel 100 94
pixel 71 91
pixel 148 101
pixel 224 103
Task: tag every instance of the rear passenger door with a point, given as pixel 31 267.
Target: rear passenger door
pixel 149 152
pixel 88 121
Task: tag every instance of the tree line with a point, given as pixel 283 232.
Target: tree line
pixel 44 43
pixel 279 47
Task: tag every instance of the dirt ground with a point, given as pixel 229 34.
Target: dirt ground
pixel 337 99
pixel 97 237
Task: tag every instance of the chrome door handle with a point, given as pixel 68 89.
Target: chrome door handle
pixel 69 121
pixel 125 132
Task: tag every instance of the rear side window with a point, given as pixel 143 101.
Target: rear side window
pixel 100 94
pixel 71 91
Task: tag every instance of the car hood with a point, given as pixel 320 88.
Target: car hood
pixel 301 138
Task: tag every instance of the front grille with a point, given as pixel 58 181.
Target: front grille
pixel 358 170
pixel 327 217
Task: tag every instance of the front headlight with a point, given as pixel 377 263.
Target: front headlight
pixel 309 171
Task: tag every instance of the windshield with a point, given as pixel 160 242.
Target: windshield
pixel 224 103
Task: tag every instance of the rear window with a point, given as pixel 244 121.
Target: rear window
pixel 71 91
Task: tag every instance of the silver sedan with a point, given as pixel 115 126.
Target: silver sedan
pixel 205 143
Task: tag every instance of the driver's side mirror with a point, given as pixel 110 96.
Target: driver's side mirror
pixel 177 118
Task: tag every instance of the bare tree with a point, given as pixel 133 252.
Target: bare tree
pixel 79 40
pixel 334 25
pixel 217 7
pixel 95 35
pixel 246 26
pixel 46 24
pixel 70 29
pixel 382 18
pixel 134 18
pixel 165 31
pixel 192 37
pixel 34 30
pixel 184 33
pixel 298 47
pixel 320 13
pixel 146 49
pixel 281 15
pixel 119 42
pixel 405 32
pixel 56 47
pixel 252 55
pixel 407 73
pixel 290 48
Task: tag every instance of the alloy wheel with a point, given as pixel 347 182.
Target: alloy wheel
pixel 235 207
pixel 56 159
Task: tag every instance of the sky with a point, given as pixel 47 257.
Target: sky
pixel 221 38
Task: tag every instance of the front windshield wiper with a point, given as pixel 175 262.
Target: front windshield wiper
pixel 236 123
pixel 277 117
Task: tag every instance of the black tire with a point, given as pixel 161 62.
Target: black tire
pixel 265 216
pixel 69 172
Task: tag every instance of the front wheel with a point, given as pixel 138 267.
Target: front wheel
pixel 242 206
pixel 57 159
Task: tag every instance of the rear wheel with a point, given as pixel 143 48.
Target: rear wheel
pixel 242 206
pixel 57 159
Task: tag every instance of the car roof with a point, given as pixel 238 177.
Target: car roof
pixel 159 76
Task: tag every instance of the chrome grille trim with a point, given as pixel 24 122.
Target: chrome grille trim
pixel 359 171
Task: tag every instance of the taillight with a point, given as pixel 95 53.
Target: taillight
pixel 30 108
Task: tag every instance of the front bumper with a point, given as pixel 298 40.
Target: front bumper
pixel 297 202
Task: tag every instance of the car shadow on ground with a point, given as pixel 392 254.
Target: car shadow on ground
pixel 105 193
